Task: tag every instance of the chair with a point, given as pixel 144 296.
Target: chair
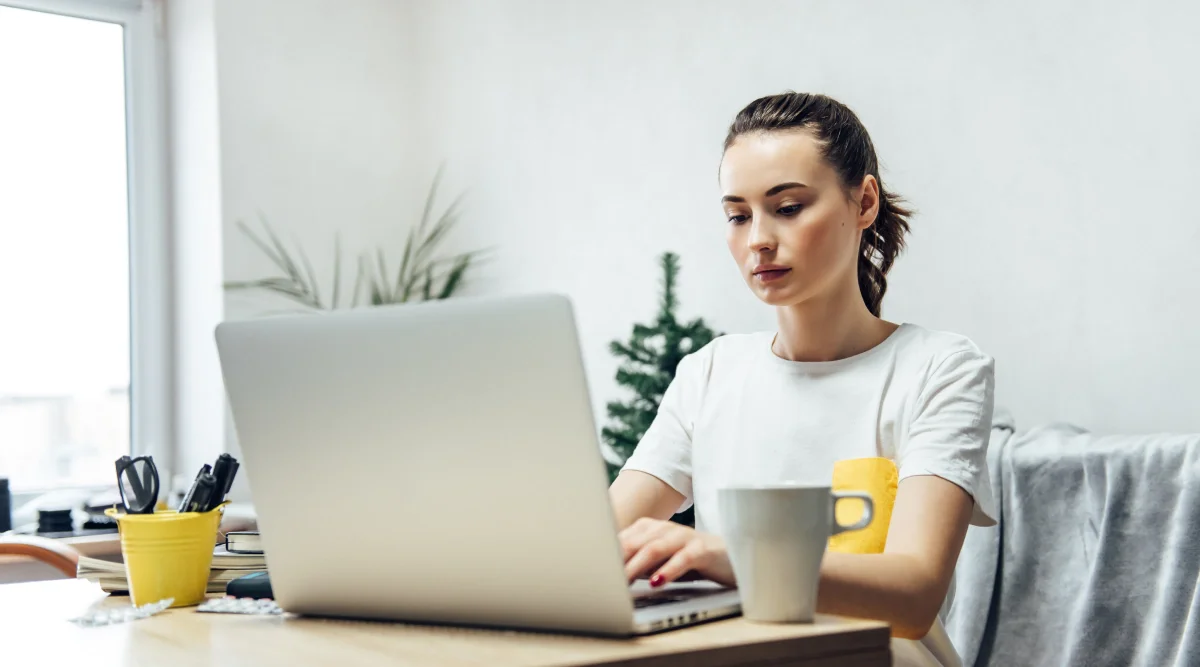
pixel 54 553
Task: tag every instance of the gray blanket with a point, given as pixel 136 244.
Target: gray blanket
pixel 1096 558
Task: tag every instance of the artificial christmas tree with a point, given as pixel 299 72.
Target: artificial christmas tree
pixel 648 362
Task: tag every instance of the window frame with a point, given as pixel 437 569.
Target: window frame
pixel 151 373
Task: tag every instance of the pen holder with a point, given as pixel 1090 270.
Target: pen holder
pixel 168 554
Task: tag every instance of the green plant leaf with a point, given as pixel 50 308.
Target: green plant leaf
pixel 455 276
pixel 262 245
pixel 437 178
pixel 670 266
pixel 281 286
pixel 358 283
pixel 375 293
pixel 427 288
pixel 286 262
pixel 403 281
pixel 448 220
pixel 294 285
pixel 444 267
pixel 337 269
pixel 381 287
pixel 312 275
pixel 263 283
pixel 624 350
pixel 420 274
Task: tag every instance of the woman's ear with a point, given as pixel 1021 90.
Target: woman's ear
pixel 868 201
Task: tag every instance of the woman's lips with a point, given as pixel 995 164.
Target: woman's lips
pixel 770 275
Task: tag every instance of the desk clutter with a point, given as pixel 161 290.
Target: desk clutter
pixel 243 542
pixel 65 513
pixel 226 567
pixel 82 513
pixel 169 553
pixel 138 482
pixel 98 617
pixel 232 605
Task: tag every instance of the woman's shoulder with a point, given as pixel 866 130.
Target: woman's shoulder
pixel 724 351
pixel 936 349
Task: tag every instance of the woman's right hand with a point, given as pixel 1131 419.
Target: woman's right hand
pixel 668 551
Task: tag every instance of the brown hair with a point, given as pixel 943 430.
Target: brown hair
pixel 846 145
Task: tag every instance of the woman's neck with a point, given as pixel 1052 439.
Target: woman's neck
pixel 833 326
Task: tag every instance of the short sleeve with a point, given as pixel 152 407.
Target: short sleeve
pixel 948 435
pixel 665 450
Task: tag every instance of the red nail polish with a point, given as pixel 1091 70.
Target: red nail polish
pixel 656 580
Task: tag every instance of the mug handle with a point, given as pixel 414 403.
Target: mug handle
pixel 868 510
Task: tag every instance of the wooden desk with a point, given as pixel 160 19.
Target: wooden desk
pixel 34 619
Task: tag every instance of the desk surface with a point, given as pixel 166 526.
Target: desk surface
pixel 36 615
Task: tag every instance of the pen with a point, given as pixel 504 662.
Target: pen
pixel 202 493
pixel 189 499
pixel 223 471
pixel 232 473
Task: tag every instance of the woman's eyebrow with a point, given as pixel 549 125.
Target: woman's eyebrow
pixel 783 186
pixel 769 193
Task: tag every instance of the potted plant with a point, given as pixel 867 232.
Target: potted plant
pixel 421 274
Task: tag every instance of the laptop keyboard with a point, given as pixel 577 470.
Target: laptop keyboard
pixel 655 600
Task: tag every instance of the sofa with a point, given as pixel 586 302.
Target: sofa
pixel 1096 558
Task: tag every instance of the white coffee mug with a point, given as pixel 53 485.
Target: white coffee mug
pixel 776 538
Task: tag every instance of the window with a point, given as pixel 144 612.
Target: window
pixel 84 369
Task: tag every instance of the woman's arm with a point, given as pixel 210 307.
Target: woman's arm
pixel 636 494
pixel 906 584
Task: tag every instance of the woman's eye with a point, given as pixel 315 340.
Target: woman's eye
pixel 790 210
pixel 738 219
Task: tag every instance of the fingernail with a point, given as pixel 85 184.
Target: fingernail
pixel 656 580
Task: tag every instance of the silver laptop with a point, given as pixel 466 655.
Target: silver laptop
pixel 437 462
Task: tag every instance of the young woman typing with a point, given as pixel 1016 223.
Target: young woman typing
pixel 814 233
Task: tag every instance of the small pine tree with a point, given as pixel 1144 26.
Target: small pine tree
pixel 648 362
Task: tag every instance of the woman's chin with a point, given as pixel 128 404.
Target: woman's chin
pixel 773 296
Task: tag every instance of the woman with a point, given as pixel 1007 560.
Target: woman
pixel 814 232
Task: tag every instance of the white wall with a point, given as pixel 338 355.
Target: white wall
pixel 317 135
pixel 301 112
pixel 1048 146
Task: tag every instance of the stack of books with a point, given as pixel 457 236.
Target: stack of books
pixel 226 567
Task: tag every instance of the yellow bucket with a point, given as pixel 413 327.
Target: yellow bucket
pixel 168 554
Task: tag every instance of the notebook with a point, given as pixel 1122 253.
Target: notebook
pixel 224 558
pixel 226 567
pixel 243 542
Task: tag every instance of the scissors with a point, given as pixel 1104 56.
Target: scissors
pixel 138 481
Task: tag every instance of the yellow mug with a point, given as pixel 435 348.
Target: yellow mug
pixel 878 477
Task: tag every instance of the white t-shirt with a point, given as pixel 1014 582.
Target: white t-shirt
pixel 738 414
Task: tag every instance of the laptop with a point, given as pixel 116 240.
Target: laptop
pixel 438 462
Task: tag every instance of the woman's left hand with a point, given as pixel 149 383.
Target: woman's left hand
pixel 671 550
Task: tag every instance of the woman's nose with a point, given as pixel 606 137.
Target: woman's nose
pixel 762 236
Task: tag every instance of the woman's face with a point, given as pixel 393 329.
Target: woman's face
pixel 793 231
